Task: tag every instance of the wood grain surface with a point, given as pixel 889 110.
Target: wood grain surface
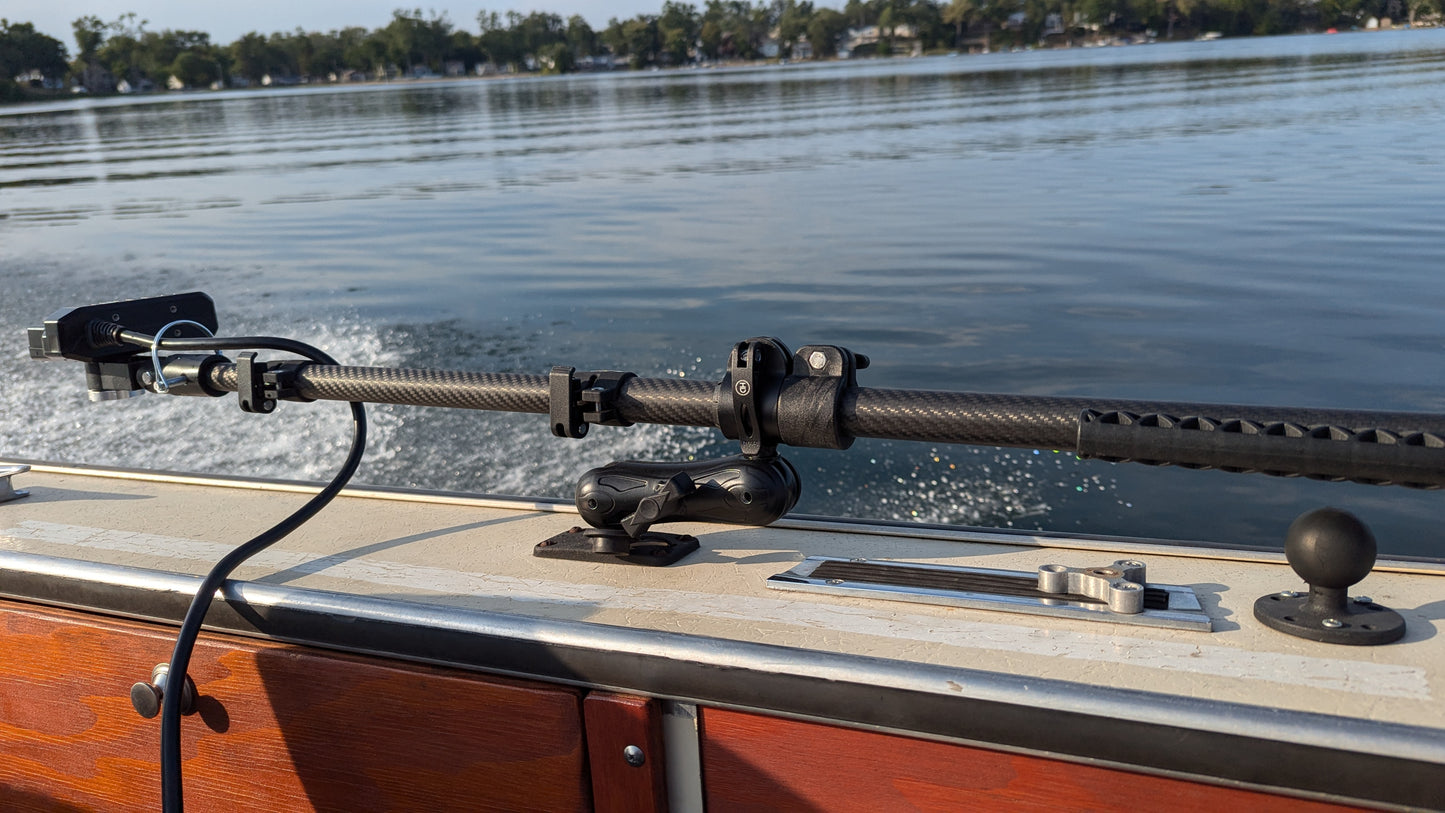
pixel 613 722
pixel 754 762
pixel 278 727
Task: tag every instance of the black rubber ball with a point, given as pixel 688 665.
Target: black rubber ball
pixel 1330 548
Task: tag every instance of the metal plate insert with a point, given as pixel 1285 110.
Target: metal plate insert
pixel 1015 591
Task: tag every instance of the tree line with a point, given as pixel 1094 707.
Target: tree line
pixel 108 52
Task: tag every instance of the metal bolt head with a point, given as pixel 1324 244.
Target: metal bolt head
pixel 817 360
pixel 835 581
pixel 1331 623
pixel 743 388
pixel 146 700
pixel 1363 600
pixel 634 756
pixel 1288 594
pixel 147 377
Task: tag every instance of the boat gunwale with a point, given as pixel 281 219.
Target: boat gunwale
pixel 1138 546
pixel 1294 752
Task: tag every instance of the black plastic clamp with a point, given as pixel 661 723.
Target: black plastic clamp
pixel 747 404
pixel 251 384
pixel 577 399
pixel 811 405
pixel 259 385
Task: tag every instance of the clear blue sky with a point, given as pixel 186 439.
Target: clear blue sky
pixel 225 21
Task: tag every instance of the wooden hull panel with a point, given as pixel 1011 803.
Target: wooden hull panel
pixel 277 727
pixel 757 762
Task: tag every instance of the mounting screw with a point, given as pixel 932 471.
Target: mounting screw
pixel 147 377
pixel 1331 623
pixel 743 388
pixel 1363 600
pixel 634 756
pixel 817 360
pixel 834 581
pixel 1288 594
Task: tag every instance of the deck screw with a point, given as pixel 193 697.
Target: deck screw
pixel 634 756
pixel 1331 623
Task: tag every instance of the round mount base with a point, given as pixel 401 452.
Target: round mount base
pixel 1357 624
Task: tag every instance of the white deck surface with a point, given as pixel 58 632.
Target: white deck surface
pixel 476 553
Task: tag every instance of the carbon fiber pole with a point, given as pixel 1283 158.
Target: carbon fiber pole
pixel 984 419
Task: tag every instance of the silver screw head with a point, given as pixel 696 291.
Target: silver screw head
pixel 147 377
pixel 743 388
pixel 1363 600
pixel 1331 623
pixel 834 581
pixel 817 360
pixel 634 756
pixel 1288 594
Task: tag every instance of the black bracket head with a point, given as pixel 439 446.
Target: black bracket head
pixel 70 333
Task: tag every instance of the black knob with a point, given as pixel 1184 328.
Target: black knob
pixel 1332 551
pixel 1330 548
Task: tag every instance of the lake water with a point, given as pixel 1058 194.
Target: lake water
pixel 1253 221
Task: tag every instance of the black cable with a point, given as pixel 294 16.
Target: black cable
pixel 172 792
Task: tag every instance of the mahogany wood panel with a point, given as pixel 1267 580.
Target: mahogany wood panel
pixel 754 762
pixel 278 727
pixel 613 722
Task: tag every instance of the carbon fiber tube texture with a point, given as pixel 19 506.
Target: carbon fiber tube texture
pixel 985 419
pixel 500 392
pixel 675 402
pixel 1051 422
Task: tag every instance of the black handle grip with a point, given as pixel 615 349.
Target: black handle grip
pixel 735 490
pixel 1374 456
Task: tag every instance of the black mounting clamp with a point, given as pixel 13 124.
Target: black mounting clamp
pixel 260 385
pixel 747 404
pixel 622 501
pixel 577 399
pixel 762 402
pixel 1331 550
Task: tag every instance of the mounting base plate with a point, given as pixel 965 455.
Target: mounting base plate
pixel 595 545
pixel 1360 622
